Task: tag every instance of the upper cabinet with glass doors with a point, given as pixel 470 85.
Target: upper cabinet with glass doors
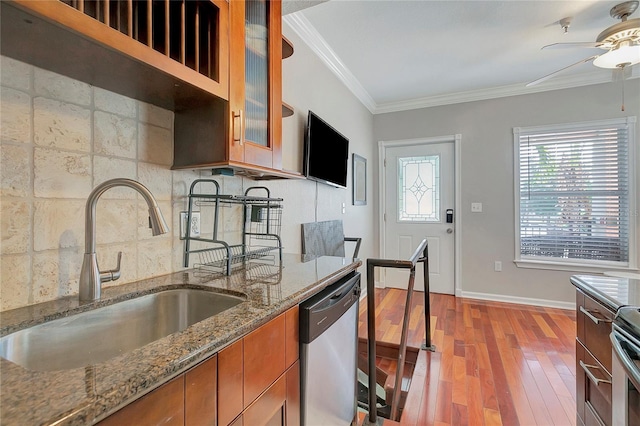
pixel 244 136
pixel 255 90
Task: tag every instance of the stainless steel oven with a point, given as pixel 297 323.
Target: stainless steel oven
pixel 625 338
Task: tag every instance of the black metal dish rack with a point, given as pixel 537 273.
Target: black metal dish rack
pixel 261 225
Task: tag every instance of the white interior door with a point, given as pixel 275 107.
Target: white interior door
pixel 419 189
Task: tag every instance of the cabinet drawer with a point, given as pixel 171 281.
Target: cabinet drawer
pixel 594 327
pixel 593 389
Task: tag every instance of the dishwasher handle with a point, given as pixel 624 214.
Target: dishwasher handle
pixel 319 312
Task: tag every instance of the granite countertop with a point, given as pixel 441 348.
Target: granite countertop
pixel 86 395
pixel 613 292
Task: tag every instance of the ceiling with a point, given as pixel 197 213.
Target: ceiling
pixel 398 55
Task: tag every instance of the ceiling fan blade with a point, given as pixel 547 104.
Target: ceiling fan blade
pixel 576 44
pixel 546 77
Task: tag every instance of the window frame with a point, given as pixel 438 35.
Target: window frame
pixel 594 266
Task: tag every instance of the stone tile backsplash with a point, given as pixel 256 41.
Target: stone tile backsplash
pixel 59 139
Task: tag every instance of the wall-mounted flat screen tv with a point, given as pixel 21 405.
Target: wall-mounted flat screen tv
pixel 326 153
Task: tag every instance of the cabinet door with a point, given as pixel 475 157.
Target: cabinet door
pixel 230 383
pixel 164 406
pixel 270 408
pixel 255 91
pixel 201 393
pixel 293 395
pixel 264 358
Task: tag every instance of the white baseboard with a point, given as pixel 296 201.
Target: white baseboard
pixel 515 299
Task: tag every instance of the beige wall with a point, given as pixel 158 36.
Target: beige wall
pixel 487 176
pixel 60 138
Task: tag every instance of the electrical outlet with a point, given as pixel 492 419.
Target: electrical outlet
pixel 344 208
pixel 476 207
pixel 497 266
pixel 195 225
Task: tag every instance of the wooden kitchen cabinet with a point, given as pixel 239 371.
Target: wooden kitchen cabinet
pixel 189 399
pixel 254 381
pixel 279 405
pixel 230 382
pixel 255 89
pixel 173 54
pixel 593 361
pixel 259 376
pixel 200 399
pixel 245 135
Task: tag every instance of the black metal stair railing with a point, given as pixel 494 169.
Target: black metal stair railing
pixel 420 255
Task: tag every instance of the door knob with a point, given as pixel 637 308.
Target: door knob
pixel 449 230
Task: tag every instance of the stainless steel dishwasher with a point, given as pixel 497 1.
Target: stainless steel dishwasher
pixel 328 354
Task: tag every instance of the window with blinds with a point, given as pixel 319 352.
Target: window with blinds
pixel 573 193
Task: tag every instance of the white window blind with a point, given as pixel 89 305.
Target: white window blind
pixel 574 193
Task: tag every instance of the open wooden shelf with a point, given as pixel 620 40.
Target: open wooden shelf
pixel 287 48
pixel 287 110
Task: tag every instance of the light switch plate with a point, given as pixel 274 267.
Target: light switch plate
pixel 476 207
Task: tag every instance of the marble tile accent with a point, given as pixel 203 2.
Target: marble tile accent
pixel 144 232
pixel 105 168
pixel 58 224
pixel 155 144
pixel 15 74
pixel 157 116
pixel 62 88
pixel 15 170
pixel 114 103
pixel 56 273
pixel 114 135
pixel 157 179
pixel 60 174
pixel 323 238
pixel 16 226
pixel 116 221
pixel 15 116
pixel 15 274
pixel 154 257
pixel 61 125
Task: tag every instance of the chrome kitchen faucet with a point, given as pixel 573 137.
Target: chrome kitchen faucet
pixel 91 278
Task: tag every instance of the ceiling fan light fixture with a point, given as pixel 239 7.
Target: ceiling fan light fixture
pixel 627 54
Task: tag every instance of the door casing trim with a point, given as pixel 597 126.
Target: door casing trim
pixel 457 154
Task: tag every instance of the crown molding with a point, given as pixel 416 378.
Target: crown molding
pixel 306 31
pixel 558 83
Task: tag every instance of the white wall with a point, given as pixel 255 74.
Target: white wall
pixel 487 175
pixel 309 85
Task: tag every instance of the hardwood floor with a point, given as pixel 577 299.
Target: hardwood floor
pixel 495 363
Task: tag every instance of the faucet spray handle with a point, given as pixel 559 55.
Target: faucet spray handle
pixel 112 274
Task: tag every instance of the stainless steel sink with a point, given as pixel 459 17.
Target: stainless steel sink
pixel 94 336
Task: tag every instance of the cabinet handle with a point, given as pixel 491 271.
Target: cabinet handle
pixel 240 116
pixel 593 318
pixel 589 374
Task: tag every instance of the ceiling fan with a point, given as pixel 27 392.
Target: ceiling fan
pixel 621 42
